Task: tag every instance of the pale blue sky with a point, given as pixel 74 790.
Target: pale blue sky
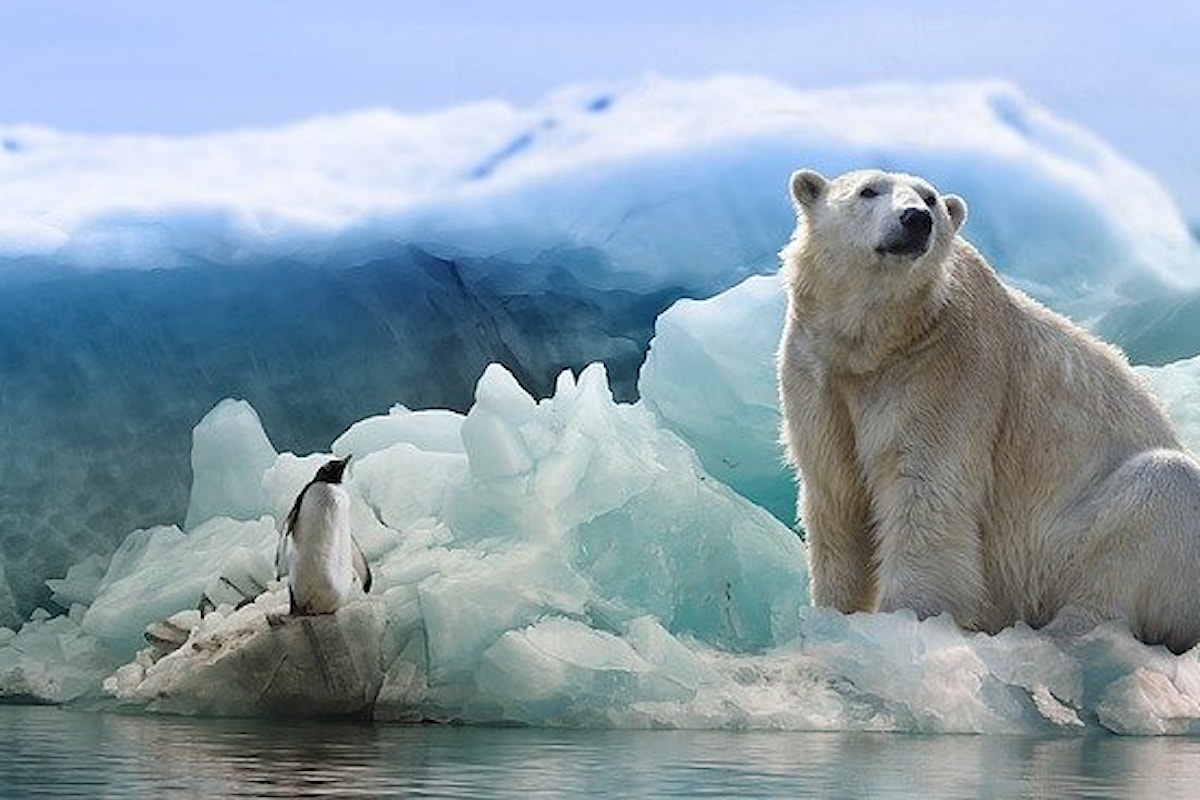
pixel 1128 70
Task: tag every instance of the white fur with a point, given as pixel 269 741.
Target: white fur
pixel 964 449
pixel 320 553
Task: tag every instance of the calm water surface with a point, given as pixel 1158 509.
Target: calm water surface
pixel 46 752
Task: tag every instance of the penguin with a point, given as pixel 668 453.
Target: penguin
pixel 321 555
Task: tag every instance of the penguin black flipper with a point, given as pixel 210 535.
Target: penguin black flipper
pixel 289 525
pixel 360 565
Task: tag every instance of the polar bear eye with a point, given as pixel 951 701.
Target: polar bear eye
pixel 868 192
pixel 929 198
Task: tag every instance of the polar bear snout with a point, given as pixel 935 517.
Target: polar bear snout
pixel 917 220
pixel 910 235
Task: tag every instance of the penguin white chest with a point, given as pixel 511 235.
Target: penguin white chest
pixel 320 557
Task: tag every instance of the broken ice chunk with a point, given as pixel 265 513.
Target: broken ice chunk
pixel 259 661
pixel 230 452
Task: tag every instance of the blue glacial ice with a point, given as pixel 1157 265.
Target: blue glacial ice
pixel 322 271
pixel 725 344
pixel 564 561
pixel 546 550
pixel 484 531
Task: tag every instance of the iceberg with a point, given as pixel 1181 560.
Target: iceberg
pixel 709 375
pixel 574 505
pixel 564 561
pixel 575 513
pixel 323 270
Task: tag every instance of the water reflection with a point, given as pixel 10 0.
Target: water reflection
pixel 50 753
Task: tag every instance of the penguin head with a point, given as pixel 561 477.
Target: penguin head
pixel 332 471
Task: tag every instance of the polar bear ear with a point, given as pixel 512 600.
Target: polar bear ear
pixel 807 187
pixel 957 208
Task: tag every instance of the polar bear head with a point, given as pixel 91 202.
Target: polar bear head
pixel 870 218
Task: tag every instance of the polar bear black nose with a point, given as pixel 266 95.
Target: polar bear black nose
pixel 916 221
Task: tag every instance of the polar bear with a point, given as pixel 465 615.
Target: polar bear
pixel 962 448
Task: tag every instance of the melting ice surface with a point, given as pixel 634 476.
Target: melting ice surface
pixel 550 556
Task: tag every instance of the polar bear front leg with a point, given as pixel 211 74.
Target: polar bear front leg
pixel 834 507
pixel 840 544
pixel 928 543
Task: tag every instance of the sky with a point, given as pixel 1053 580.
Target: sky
pixel 1129 71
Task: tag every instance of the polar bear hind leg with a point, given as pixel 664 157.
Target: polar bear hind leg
pixel 1137 555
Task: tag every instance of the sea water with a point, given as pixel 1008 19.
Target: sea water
pixel 48 752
